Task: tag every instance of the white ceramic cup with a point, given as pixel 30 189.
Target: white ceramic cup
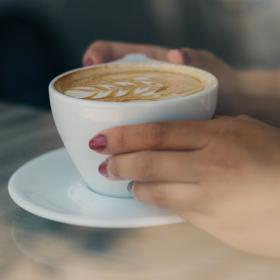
pixel 78 120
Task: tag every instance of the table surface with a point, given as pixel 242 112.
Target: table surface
pixel 36 248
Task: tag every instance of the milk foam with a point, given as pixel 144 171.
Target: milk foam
pixel 126 84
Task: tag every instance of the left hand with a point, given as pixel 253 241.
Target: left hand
pixel 231 94
pixel 221 175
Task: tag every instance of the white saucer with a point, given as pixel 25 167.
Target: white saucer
pixel 50 187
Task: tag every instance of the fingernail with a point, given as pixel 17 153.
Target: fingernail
pixel 186 56
pixel 98 143
pixel 130 186
pixel 89 61
pixel 103 169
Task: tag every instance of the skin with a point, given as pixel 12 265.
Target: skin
pixel 255 93
pixel 222 175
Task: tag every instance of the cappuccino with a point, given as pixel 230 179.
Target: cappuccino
pixel 88 100
pixel 126 83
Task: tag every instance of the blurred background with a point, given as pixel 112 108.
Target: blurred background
pixel 42 38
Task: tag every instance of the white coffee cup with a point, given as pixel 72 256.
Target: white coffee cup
pixel 78 120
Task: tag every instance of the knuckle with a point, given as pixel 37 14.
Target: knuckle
pixel 145 165
pixel 113 167
pixel 159 196
pixel 154 134
pixel 225 142
pixel 194 54
pixel 228 127
pixel 221 153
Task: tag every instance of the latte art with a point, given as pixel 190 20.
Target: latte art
pixel 121 84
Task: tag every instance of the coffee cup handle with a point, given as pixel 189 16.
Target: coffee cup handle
pixel 136 58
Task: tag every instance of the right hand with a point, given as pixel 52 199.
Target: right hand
pixel 105 51
pixel 221 175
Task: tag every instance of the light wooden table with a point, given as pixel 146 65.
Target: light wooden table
pixel 32 248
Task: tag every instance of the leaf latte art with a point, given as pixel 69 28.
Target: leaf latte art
pixel 125 84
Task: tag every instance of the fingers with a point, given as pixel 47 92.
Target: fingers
pixel 98 52
pixel 181 135
pixel 105 51
pixel 154 166
pixel 181 56
pixel 199 58
pixel 175 196
pixel 190 56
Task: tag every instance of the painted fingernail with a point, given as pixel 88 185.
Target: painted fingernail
pixel 130 186
pixel 186 56
pixel 98 143
pixel 89 61
pixel 103 169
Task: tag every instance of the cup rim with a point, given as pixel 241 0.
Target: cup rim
pixel 206 91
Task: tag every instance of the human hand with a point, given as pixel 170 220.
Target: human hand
pixel 229 99
pixel 221 175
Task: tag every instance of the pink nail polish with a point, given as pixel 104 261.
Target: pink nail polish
pixel 186 56
pixel 89 62
pixel 98 143
pixel 103 168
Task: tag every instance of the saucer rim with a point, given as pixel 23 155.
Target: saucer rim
pixel 79 220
